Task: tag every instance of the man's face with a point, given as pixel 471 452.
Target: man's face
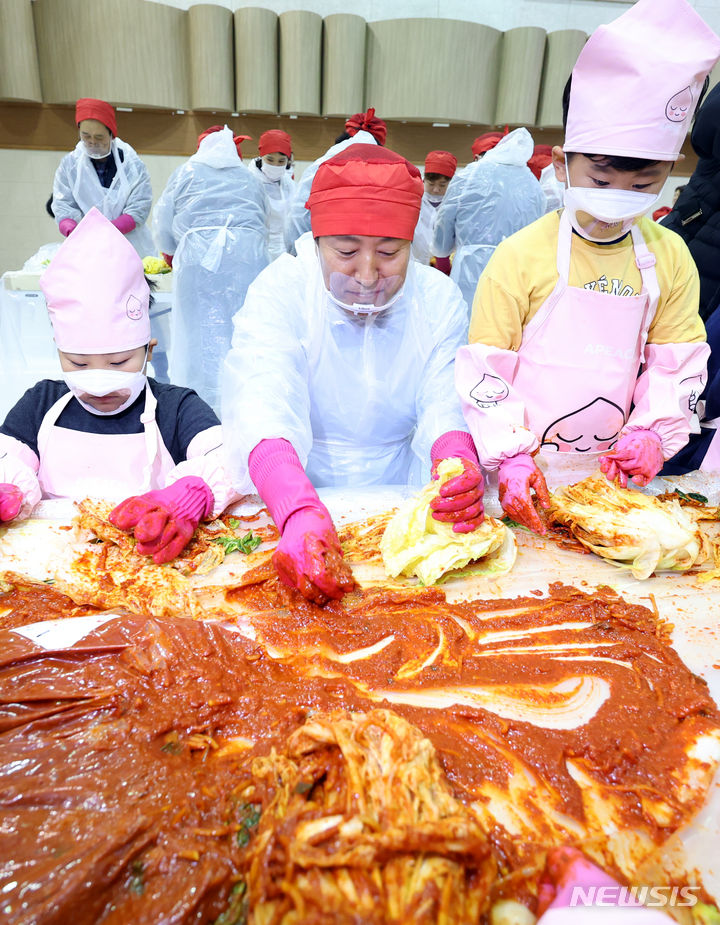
pixel 363 270
pixel 436 184
pixel 95 136
pixel 596 174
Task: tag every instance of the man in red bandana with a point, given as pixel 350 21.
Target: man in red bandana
pixel 105 172
pixel 341 369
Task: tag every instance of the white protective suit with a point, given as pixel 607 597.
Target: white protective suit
pixel 422 241
pixel 297 221
pixel 211 217
pixel 279 194
pixel 76 189
pixel 485 202
pixel 361 398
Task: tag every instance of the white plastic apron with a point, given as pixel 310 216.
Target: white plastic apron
pixel 75 465
pixel 578 363
pixel 88 192
pixel 277 208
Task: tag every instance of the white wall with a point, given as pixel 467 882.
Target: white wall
pixel 505 14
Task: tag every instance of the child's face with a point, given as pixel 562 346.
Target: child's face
pixel 128 361
pixel 594 174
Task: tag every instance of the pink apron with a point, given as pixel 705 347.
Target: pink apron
pixel 579 360
pixel 77 465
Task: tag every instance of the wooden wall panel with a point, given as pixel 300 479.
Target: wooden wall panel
pixel 435 70
pixel 256 60
pixel 212 78
pixel 523 52
pixel 561 53
pixel 19 72
pixel 128 52
pixel 343 64
pixel 300 63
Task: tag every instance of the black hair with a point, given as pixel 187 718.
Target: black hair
pixel 49 208
pixel 258 162
pixel 436 176
pixel 616 161
pixel 343 136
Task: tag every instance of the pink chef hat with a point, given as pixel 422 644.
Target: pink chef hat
pixel 97 295
pixel 636 82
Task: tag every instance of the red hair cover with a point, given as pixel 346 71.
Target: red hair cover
pixel 442 162
pixel 367 122
pixel 88 108
pixel 487 141
pixel 366 190
pixel 273 141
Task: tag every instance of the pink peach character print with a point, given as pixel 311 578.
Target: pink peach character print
pixel 679 106
pixel 133 308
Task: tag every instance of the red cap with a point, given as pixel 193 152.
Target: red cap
pixel 367 122
pixel 238 139
pixel 442 162
pixel 487 141
pixel 275 141
pixel 87 108
pixel 541 157
pixel 366 190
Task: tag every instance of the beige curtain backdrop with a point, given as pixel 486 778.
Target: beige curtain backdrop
pixel 126 51
pixel 561 53
pixel 300 63
pixel 343 63
pixel 436 70
pixel 256 60
pixel 523 53
pixel 19 72
pixel 210 34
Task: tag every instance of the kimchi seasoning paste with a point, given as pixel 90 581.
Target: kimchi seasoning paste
pixel 125 760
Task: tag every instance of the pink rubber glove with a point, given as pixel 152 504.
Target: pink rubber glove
pixel 66 225
pixel 11 499
pixel 516 476
pixel 570 884
pixel 308 556
pixel 459 500
pixel 164 520
pixel 637 454
pixel 124 223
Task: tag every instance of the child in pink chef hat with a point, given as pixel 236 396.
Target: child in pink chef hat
pixel 585 338
pixel 106 429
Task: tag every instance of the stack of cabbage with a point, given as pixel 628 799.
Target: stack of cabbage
pixel 414 543
pixel 631 529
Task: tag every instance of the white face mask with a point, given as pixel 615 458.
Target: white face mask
pixel 101 382
pixel 97 152
pixel 273 171
pixel 434 198
pixel 607 206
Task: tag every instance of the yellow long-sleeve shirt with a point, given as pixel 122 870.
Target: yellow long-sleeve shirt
pixel 523 272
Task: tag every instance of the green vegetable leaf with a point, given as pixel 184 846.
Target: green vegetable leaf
pixel 237 909
pixel 244 544
pixel 233 523
pixel 691 496
pixel 137 881
pixel 509 522
pixel 248 818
